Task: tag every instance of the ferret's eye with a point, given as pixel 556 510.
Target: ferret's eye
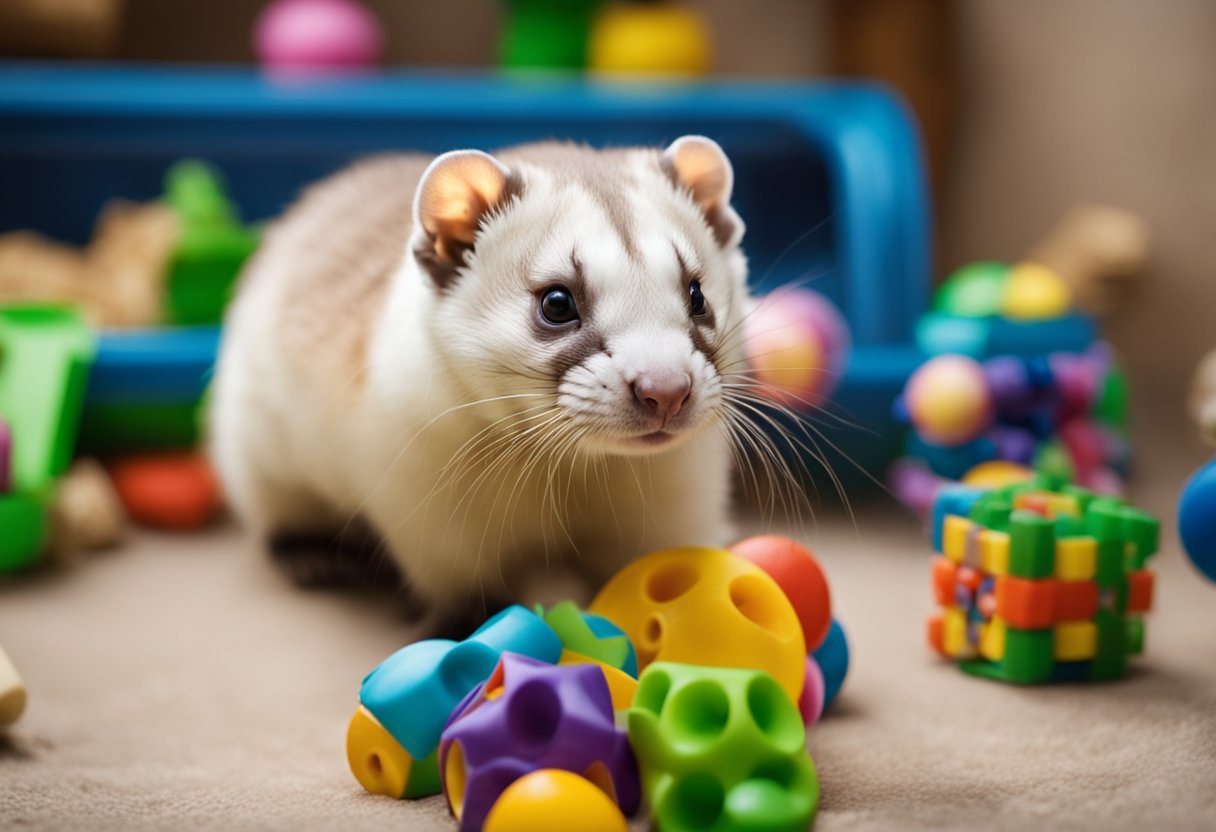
pixel 696 298
pixel 557 306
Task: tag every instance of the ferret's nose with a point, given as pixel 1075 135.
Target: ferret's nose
pixel 663 393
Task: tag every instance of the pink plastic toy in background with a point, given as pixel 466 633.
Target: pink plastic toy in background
pixel 311 37
pixel 797 344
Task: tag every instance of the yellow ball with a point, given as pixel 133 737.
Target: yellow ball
pixel 948 400
pixel 650 40
pixel 1035 292
pixel 552 800
pixel 997 473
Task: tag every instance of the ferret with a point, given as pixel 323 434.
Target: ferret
pixel 516 367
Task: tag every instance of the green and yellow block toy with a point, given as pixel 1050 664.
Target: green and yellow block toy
pixel 1036 584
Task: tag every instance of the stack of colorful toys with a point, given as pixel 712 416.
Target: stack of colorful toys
pixel 1017 384
pixel 540 719
pixel 1038 584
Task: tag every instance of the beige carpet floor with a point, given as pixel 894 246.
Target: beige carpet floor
pixel 182 683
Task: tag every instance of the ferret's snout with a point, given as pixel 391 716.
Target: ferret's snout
pixel 663 393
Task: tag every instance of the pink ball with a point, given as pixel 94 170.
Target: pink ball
pixel 797 345
pixel 810 703
pixel 310 36
pixel 948 400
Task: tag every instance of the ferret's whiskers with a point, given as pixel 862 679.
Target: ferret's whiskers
pixel 754 387
pixel 783 484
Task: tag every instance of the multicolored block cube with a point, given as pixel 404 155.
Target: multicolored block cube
pixel 1037 584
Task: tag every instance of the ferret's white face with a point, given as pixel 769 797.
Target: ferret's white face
pixel 599 302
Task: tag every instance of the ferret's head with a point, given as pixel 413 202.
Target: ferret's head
pixel 591 294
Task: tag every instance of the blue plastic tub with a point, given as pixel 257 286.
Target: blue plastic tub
pixel 829 176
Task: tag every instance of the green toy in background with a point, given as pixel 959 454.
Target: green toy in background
pixel 45 353
pixel 211 249
pixel 547 34
pixel 643 38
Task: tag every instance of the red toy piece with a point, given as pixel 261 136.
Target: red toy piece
pixel 173 490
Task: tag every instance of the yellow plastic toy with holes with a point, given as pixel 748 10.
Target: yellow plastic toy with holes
pixel 706 607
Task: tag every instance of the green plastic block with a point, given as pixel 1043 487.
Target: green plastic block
pixel 23 530
pixel 992 511
pixel 721 749
pixel 1032 545
pixel 45 353
pixel 212 247
pixel 1067 526
pixel 1029 655
pixel 983 669
pixel 1111 408
pixel 1083 496
pixel 1104 520
pixel 1135 635
pixel 1053 462
pixel 203 272
pixel 1110 660
pixel 115 428
pixel 977 290
pixel 1143 534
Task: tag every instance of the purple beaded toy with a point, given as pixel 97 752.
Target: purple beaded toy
pixel 528 716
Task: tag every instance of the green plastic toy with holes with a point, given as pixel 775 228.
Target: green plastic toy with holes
pixel 722 749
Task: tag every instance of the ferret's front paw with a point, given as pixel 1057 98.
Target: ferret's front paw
pixel 319 560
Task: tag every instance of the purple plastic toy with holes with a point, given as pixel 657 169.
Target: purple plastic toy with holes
pixel 528 716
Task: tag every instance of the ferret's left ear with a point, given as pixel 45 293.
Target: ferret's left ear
pixel 699 165
pixel 455 194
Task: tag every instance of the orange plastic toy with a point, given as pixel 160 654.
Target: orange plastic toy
pixel 175 490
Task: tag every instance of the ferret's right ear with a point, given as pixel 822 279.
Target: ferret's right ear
pixel 455 194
